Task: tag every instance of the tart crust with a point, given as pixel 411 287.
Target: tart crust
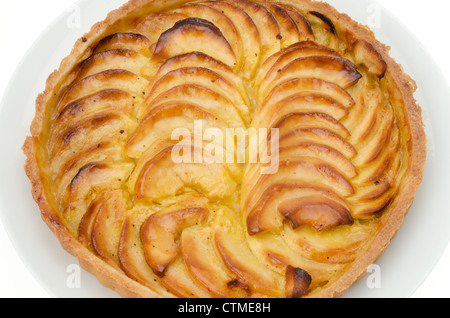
pixel 127 287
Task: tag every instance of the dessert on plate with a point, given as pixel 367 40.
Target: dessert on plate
pixel 142 161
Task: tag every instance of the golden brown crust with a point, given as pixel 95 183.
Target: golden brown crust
pixel 127 287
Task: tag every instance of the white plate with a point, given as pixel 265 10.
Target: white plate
pixel 406 264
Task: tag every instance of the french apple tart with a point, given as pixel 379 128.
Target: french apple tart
pixel 226 149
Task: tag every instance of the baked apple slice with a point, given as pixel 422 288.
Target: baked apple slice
pixel 162 177
pixel 163 121
pixel 329 68
pixel 269 31
pixel 109 79
pixel 202 77
pixel 248 32
pixel 162 230
pixel 123 59
pixel 191 35
pixel 307 85
pixel 289 32
pixel 221 21
pixel 366 55
pixel 127 40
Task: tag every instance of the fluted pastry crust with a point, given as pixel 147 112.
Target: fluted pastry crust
pixel 351 140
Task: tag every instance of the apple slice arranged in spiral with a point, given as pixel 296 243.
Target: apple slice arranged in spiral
pixel 366 54
pixel 299 103
pixel 303 25
pixel 162 230
pixel 109 79
pixel 202 77
pixel 248 32
pixel 301 205
pixel 289 32
pixel 219 20
pixel 101 226
pixel 194 34
pixel 278 61
pixel 130 41
pixel 124 59
pixel 161 177
pixel 329 68
pixel 164 120
pixel 269 31
pixel 307 85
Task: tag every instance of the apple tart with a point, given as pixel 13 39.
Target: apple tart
pixel 342 127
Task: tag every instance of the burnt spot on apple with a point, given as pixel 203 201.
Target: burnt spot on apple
pixel 325 19
pixel 298 282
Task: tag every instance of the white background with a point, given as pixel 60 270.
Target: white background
pixel 21 22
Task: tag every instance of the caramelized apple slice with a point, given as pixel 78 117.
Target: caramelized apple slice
pixel 67 167
pixel 372 208
pixel 131 41
pixel 340 245
pixel 248 33
pixel 329 68
pixel 297 52
pixel 232 246
pixel 299 103
pixel 366 55
pixel 308 171
pixel 164 119
pixel 106 229
pixel 179 282
pixel 194 34
pixel 110 79
pixel 375 170
pixel 92 130
pixel 376 141
pixel 318 136
pixel 276 253
pixel 162 230
pixel 295 121
pixel 123 59
pixel 318 212
pixel 269 32
pixel 207 99
pixel 88 221
pixel 152 26
pixel 315 207
pixel 131 254
pixel 204 98
pixel 111 99
pixel 94 176
pixel 325 153
pixel 325 27
pixel 207 268
pixel 327 21
pixel 202 77
pixel 221 21
pixel 303 25
pixel 162 177
pixel 288 29
pixel 298 282
pixel 311 86
pixel 200 60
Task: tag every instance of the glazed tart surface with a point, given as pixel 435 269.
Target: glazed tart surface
pixel 143 162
